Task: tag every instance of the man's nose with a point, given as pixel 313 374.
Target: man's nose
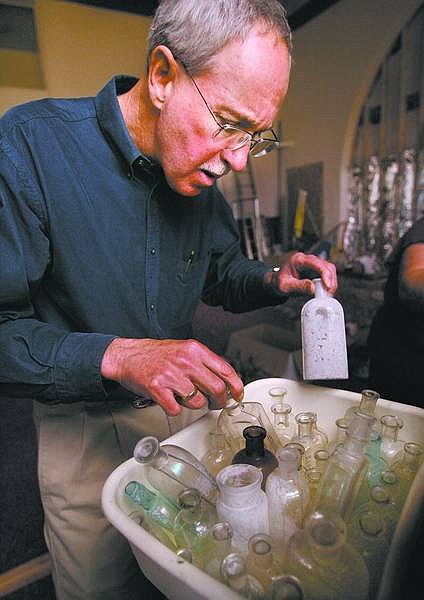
pixel 236 159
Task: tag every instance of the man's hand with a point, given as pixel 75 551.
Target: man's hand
pixel 289 278
pixel 161 368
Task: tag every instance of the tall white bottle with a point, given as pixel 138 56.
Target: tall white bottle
pixel 323 337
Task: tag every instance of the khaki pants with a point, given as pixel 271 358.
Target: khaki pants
pixel 79 445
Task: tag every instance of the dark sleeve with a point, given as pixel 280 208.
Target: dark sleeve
pixel 36 359
pixel 233 281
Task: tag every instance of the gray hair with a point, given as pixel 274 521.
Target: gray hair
pixel 195 30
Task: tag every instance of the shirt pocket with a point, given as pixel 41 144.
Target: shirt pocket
pixel 189 281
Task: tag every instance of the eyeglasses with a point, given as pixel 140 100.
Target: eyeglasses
pixel 260 143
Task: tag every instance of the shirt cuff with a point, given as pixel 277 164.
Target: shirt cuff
pixel 77 367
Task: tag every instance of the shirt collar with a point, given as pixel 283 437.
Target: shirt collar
pixel 112 123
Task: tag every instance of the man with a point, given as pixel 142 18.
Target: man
pixel 112 228
pixel 395 341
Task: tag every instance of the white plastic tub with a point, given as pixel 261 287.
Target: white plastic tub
pixel 179 580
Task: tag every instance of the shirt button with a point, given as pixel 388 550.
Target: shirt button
pixel 153 251
pixel 152 307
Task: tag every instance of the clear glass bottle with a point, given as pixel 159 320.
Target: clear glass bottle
pixel 321 459
pixel 366 405
pixel 222 535
pixel 376 466
pixel 346 470
pixel 286 587
pixel 366 532
pixel 160 510
pixel 406 468
pixel 264 562
pixel 255 452
pixel 283 424
pixel 313 477
pixel 219 454
pixel 380 502
pixel 288 495
pixel 311 438
pixel 233 420
pixel 392 445
pixel 171 469
pixel 235 575
pixel 192 524
pixel 165 536
pixel 341 432
pixel 324 349
pixel 242 502
pixel 325 564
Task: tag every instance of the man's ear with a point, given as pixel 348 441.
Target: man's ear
pixel 161 76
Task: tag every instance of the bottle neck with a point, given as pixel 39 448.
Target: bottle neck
pixel 320 291
pixel 368 402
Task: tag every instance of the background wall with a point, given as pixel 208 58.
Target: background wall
pixel 335 59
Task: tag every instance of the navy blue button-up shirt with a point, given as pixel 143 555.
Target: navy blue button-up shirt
pixel 94 244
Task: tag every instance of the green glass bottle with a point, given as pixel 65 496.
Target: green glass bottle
pixel 192 525
pixel 160 510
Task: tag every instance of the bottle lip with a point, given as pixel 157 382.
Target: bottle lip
pixel 260 544
pixel 146 449
pixel 277 391
pixel 392 421
pixel 286 587
pixel 233 565
pixel 254 432
pixel 239 477
pixel 222 531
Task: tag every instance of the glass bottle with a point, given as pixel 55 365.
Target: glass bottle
pixel 341 432
pixel 286 587
pixel 376 466
pixel 160 510
pixel 325 564
pixel 405 469
pixel 192 523
pixel 219 454
pixel 324 350
pixel 264 562
pixel 283 420
pixel 310 437
pixel 165 536
pixel 346 469
pixel 242 502
pixel 367 534
pixel 222 535
pixel 234 419
pixel 288 495
pixel 313 477
pixel 301 449
pixel 391 446
pixel 255 452
pixel 170 469
pixel 389 481
pixel 283 425
pixel 366 405
pixel 321 459
pixel 380 502
pixel 235 575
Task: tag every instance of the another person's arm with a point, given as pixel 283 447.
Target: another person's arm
pixel 411 278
